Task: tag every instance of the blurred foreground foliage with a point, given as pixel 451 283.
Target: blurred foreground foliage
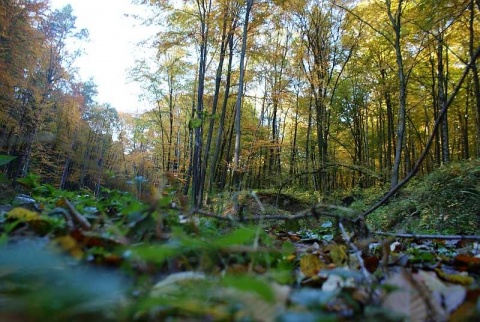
pixel 69 256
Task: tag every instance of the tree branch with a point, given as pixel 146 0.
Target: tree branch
pixel 424 154
pixel 415 236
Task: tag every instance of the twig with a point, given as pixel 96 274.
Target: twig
pixel 77 216
pixel 416 236
pixel 358 253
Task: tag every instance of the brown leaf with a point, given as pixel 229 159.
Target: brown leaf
pixel 371 263
pixel 468 310
pixel 467 262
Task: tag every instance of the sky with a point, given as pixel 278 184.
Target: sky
pixel 111 50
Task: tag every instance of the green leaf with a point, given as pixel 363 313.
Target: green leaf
pixel 196 123
pixel 288 248
pixel 51 285
pixel 250 284
pixel 4 159
pixel 30 181
pixel 165 202
pixel 156 254
pixel 132 207
pixel 237 237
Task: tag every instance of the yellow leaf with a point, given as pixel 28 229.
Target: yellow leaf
pixel 455 278
pixel 291 258
pixel 310 265
pixel 70 245
pixel 22 214
pixel 338 254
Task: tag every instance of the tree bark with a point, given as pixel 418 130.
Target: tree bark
pixel 238 105
pixel 197 173
pixel 395 19
pixel 474 70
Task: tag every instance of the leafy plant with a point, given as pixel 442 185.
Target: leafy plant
pixel 5 159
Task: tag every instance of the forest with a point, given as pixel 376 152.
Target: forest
pixel 314 95
pixel 287 111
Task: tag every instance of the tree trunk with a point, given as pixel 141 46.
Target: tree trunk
pixel 402 86
pixel 218 146
pixel 442 99
pixel 476 78
pixel 293 154
pixel 218 79
pixel 238 105
pixel 197 173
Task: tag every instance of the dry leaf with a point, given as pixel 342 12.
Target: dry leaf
pixel 448 296
pixel 467 262
pixel 462 279
pixel 338 254
pixel 410 300
pixel 336 283
pixel 22 214
pixel 310 265
pixel 70 245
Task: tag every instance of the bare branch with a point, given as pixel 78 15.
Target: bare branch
pixel 415 236
pixel 358 253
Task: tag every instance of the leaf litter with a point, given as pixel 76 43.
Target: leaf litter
pixel 148 264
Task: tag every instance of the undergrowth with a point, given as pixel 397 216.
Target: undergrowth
pixel 446 201
pixel 72 256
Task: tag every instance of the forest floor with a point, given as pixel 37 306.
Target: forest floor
pixel 66 256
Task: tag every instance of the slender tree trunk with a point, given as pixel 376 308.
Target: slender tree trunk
pixel 218 146
pixel 436 110
pixel 442 99
pixel 309 135
pixel 171 107
pixel 197 175
pixel 464 124
pixel 293 154
pixel 238 105
pixel 68 161
pixel 402 86
pixel 218 79
pixel 390 120
pixel 190 136
pixel 476 78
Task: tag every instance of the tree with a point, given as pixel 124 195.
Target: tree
pixel 238 104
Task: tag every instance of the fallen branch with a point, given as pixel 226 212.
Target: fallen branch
pixel 419 236
pixel 77 217
pixel 316 211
